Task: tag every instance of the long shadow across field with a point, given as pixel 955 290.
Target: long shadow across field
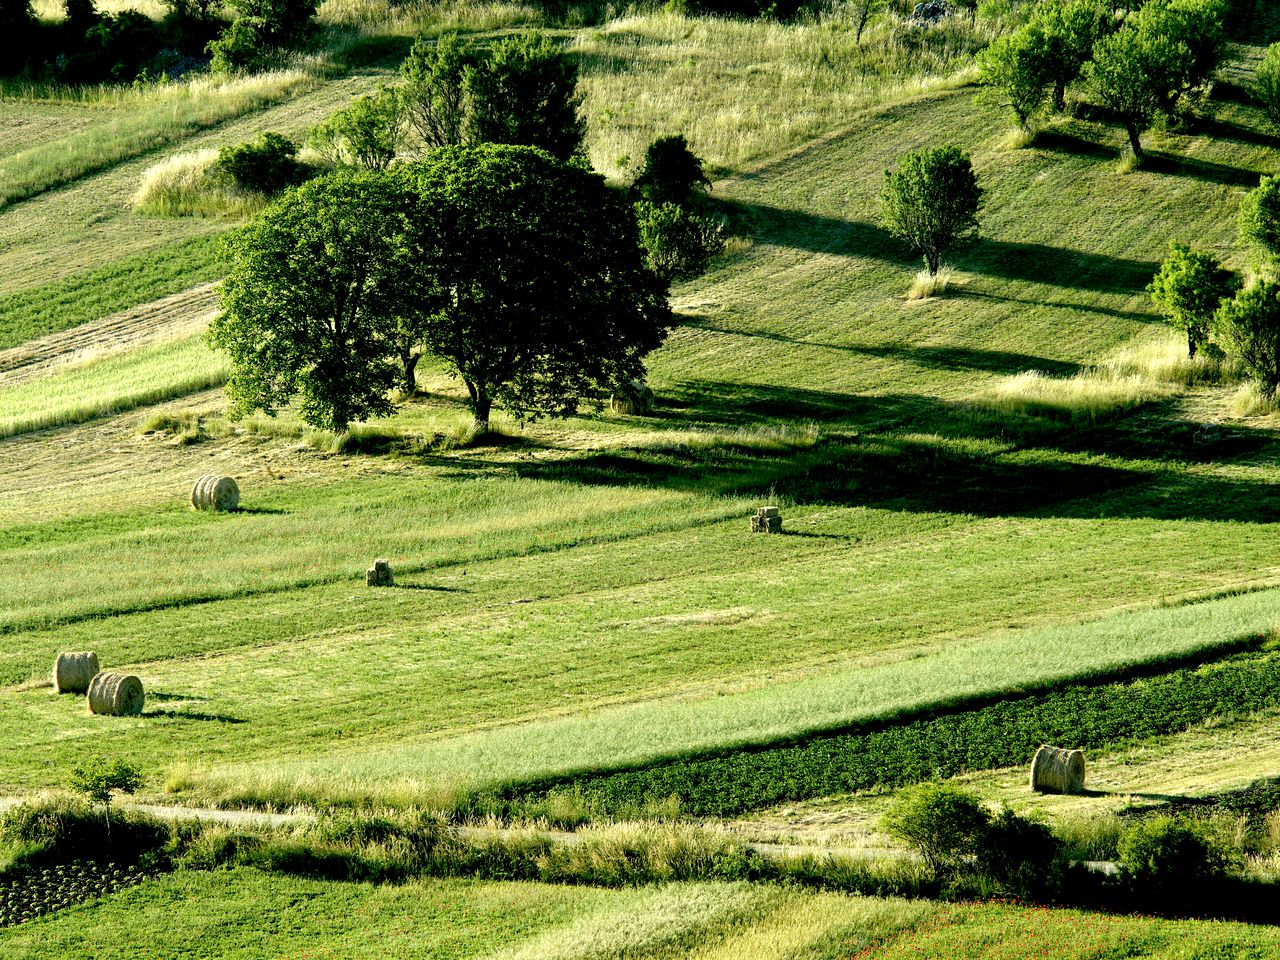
pixel 921 454
pixel 1031 262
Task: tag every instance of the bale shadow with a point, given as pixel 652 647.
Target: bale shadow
pixel 194 715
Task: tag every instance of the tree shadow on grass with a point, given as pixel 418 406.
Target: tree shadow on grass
pixel 1030 262
pixel 1062 141
pixel 1205 170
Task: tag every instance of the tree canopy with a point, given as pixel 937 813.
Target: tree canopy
pixel 532 279
pixel 1260 216
pixel 1249 327
pixel 1188 289
pixel 311 304
pixel 931 201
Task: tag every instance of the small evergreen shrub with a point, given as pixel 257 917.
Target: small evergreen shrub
pixel 672 173
pixel 1168 858
pixel 266 165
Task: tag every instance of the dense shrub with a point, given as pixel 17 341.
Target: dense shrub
pixel 672 173
pixel 1248 327
pixel 266 165
pixel 1188 289
pixel 931 202
pixel 1167 858
pixel 942 823
pixel 1259 221
pixel 1266 85
pixel 916 750
pixel 280 23
pixel 115 49
pixel 240 48
pixel 365 134
pixel 55 832
pixel 678 244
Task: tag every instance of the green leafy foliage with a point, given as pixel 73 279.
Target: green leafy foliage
pixel 931 201
pixel 1167 858
pixel 1068 29
pixel 1248 325
pixel 1260 216
pixel 240 48
pixel 1135 70
pixel 280 23
pixel 525 92
pixel 915 750
pixel 310 304
pixel 942 823
pixel 532 284
pixel 1266 85
pixel 672 173
pixel 1188 289
pixel 98 779
pixel 432 90
pixel 678 244
pixel 1014 70
pixel 366 134
pixel 268 164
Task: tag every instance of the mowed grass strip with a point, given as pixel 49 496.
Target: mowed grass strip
pixel 119 382
pixel 663 732
pixel 128 282
pixel 166 116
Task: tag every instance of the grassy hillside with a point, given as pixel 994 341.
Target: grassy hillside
pixel 582 596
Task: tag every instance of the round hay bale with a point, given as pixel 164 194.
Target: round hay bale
pixel 633 397
pixel 116 695
pixel 73 671
pixel 215 493
pixel 1056 770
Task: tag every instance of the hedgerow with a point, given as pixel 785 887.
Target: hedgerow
pixel 1092 717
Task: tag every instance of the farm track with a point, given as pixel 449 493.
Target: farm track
pixel 164 319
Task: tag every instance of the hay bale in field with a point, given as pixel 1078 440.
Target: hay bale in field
pixel 633 397
pixel 215 493
pixel 116 695
pixel 73 671
pixel 379 575
pixel 767 520
pixel 1056 770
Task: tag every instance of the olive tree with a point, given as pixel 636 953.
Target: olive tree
pixel 1248 326
pixel 1188 289
pixel 1259 221
pixel 312 304
pixel 931 201
pixel 531 283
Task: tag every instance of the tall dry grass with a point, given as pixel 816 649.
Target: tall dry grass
pixel 740 89
pixel 185 185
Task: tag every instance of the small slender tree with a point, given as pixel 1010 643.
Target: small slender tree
pixel 1259 220
pixel 1248 326
pixel 1068 30
pixel 1188 289
pixel 98 779
pixel 1015 72
pixel 931 201
pixel 1266 85
pixel 367 134
pixel 433 90
pixel 861 12
pixel 312 303
pixel 531 280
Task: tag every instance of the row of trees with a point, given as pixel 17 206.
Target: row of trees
pixel 1141 68
pixel 521 272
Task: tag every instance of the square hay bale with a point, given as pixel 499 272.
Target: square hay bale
pixel 379 575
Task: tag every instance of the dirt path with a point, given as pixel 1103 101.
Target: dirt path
pixel 164 319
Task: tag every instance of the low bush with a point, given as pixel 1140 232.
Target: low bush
pixel 266 165
pixel 1166 858
pixel 678 244
pixel 34 835
pixel 945 825
pixel 981 737
pixel 672 173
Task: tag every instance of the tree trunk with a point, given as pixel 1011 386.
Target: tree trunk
pixel 482 405
pixel 1135 142
pixel 1059 97
pixel 933 260
pixel 1191 343
pixel 409 360
pixel 862 22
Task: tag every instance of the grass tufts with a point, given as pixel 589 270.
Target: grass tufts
pixel 1086 398
pixel 926 284
pixel 185 185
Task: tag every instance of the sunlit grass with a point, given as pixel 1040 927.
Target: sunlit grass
pixel 96 388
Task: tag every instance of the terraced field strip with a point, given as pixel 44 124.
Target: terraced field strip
pixel 168 318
